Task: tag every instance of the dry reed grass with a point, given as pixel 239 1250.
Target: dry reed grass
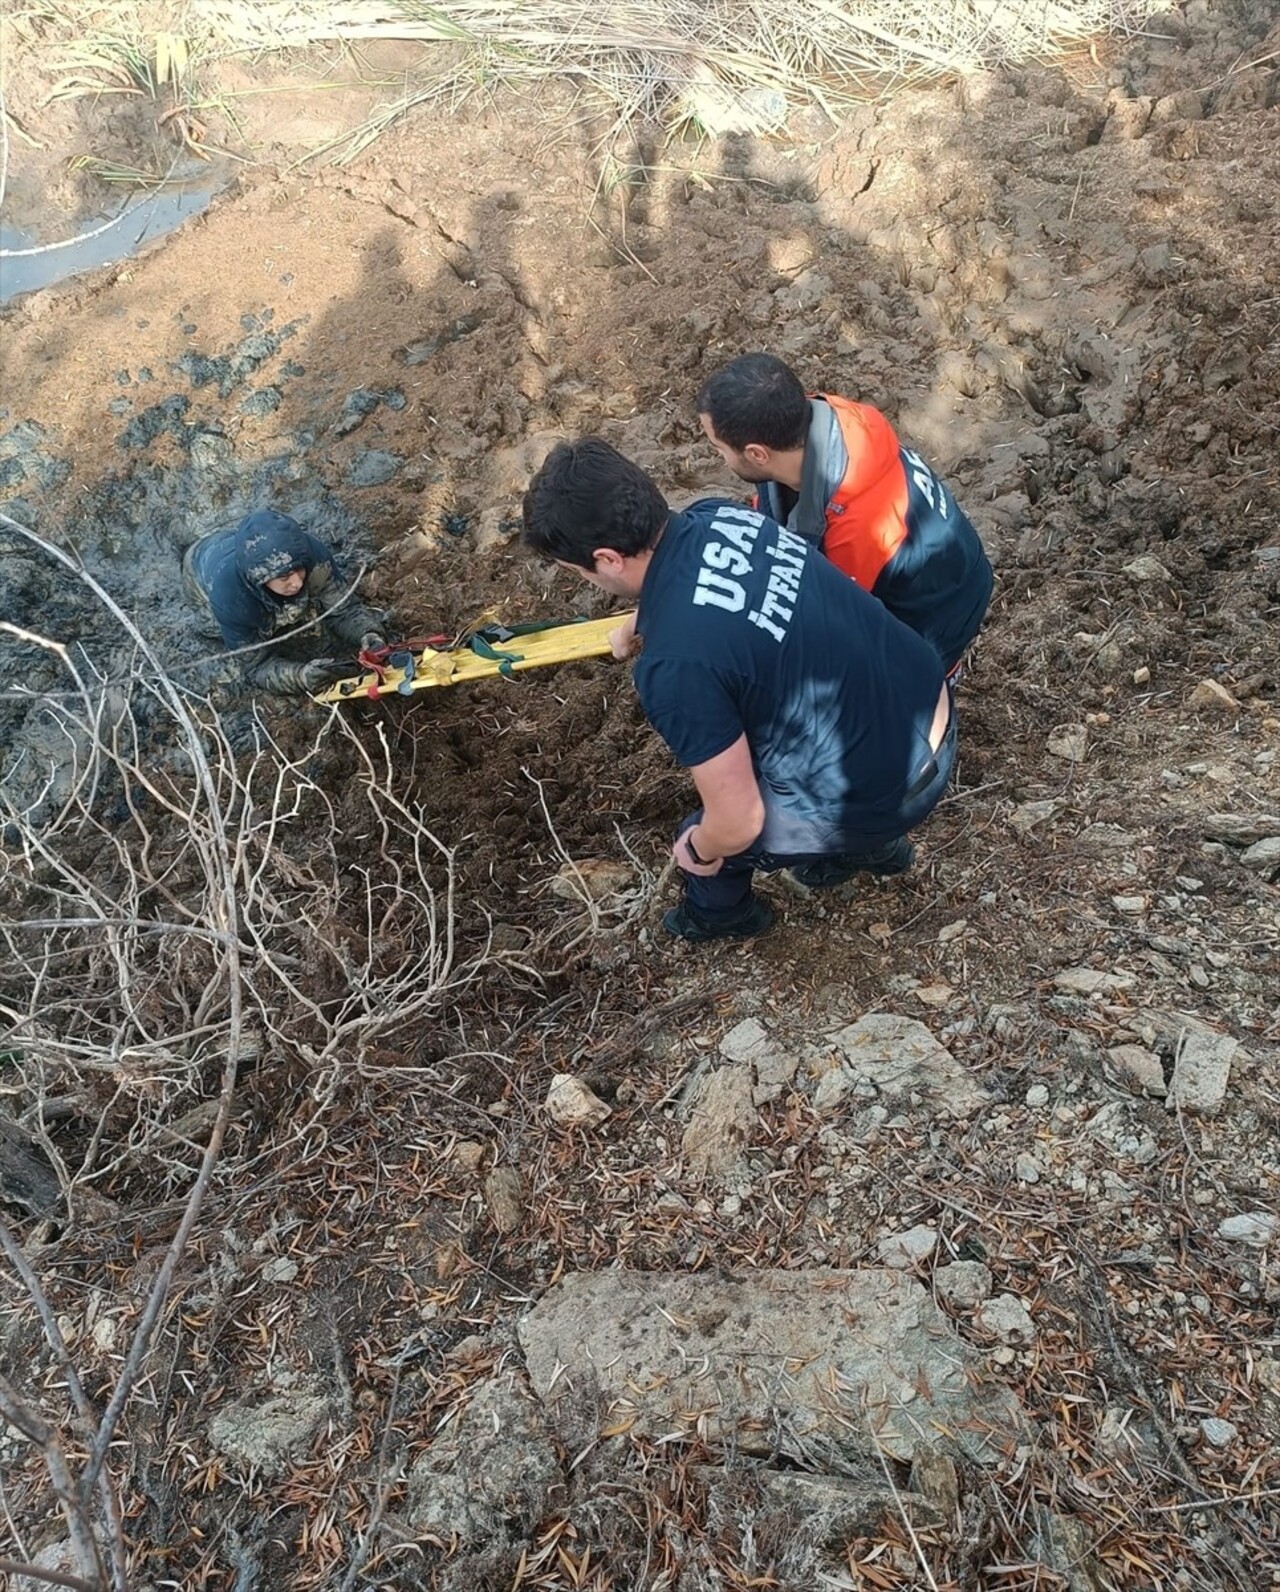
pixel 718 66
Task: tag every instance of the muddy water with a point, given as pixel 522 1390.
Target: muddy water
pixel 27 265
pixel 178 478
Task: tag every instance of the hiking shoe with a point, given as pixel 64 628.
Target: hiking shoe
pixel 828 872
pixel 686 924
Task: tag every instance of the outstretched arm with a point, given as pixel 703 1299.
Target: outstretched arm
pixel 346 618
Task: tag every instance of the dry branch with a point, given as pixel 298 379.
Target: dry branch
pixel 214 925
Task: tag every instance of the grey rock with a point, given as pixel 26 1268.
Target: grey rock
pixel 1037 1095
pixel 798 1362
pixel 1109 658
pixel 1030 815
pixel 901 1058
pixel 1069 742
pixel 751 1045
pixel 1128 118
pixel 468 1154
pixel 1257 1228
pixel 1264 856
pixel 1065 1545
pixel 1007 1020
pixel 1218 1433
pixel 833 1085
pixel 572 1104
pixel 1027 1168
pixel 1103 838
pixel 746 1042
pixel 935 1477
pixel 166 417
pixel 1092 981
pixel 904 1250
pixel 722 1119
pixel 1210 697
pixel 505 1198
pixel 58 1556
pixel 27 1176
pixel 24 437
pixel 1125 1431
pixel 418 353
pixel 373 467
pixel 964 1284
pixel 1133 905
pixel 1147 568
pixel 813 1511
pixel 1137 1069
pixel 49 471
pixel 1007 1318
pixel 1158 265
pixel 1201 1067
pixel 1241 829
pixel 267 1436
pixel 495 527
pixel 489 1477
pixel 1187 105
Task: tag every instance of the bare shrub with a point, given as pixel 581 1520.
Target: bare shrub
pixel 178 913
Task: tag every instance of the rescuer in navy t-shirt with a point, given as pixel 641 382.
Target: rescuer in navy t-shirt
pixel 816 726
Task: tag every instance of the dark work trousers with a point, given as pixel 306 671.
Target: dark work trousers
pixel 724 894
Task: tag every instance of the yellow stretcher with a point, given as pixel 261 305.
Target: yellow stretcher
pixel 488 651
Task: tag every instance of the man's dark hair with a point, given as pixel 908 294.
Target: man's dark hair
pixel 587 496
pixel 756 398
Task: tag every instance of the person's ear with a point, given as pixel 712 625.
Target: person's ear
pixel 607 561
pixel 756 453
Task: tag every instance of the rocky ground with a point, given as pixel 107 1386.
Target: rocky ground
pixel 928 1241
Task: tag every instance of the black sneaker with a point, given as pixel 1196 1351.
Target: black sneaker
pixel 686 924
pixel 828 872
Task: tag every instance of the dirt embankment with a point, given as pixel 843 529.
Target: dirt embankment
pixel 1062 283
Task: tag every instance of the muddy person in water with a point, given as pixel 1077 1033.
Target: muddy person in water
pixel 263 579
pixel 834 472
pixel 817 727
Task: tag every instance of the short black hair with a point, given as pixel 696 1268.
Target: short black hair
pixel 756 398
pixel 587 496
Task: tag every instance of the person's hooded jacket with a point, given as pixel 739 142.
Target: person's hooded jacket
pixel 227 572
pixel 879 513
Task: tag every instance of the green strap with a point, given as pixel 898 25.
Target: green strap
pixel 482 641
pixel 482 648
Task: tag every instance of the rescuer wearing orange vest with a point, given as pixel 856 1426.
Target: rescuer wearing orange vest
pixel 833 471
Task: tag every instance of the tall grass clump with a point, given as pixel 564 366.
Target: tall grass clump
pixel 701 65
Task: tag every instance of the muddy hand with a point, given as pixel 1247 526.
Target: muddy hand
pixel 323 672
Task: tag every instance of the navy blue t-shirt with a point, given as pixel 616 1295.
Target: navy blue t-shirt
pixel 748 629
